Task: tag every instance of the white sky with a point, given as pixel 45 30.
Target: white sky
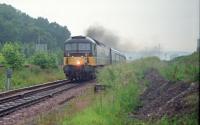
pixel 174 24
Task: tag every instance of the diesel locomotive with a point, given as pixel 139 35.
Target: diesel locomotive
pixel 83 55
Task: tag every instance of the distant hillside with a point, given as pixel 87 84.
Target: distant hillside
pixel 18 26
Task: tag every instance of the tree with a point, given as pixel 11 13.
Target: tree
pixel 2 59
pixel 44 60
pixel 13 56
pixel 18 26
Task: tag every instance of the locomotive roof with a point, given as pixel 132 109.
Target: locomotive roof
pixel 89 39
pixel 84 39
pixel 78 39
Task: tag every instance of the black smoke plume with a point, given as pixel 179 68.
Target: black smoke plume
pixel 103 35
pixel 109 38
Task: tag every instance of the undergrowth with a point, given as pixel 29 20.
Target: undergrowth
pixel 30 76
pixel 185 68
pixel 112 106
pixel 125 80
pixel 126 83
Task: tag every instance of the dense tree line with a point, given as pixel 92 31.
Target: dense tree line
pixel 18 27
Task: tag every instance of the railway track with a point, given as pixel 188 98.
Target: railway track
pixel 12 92
pixel 17 99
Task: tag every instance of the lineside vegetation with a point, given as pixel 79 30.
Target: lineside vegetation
pixel 113 106
pixel 39 68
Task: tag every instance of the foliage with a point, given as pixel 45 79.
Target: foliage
pixel 112 107
pixel 44 60
pixel 31 75
pixel 18 26
pixel 2 59
pixel 185 68
pixel 30 33
pixel 12 55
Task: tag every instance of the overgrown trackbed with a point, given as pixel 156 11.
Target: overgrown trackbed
pixel 163 97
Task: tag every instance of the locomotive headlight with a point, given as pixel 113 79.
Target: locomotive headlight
pixel 78 62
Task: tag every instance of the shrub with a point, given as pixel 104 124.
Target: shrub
pixel 12 55
pixel 44 60
pixel 2 59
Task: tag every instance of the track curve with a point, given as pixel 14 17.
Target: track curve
pixel 18 99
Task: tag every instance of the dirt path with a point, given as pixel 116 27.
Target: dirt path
pixel 163 97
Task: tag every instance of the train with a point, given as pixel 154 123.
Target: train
pixel 84 55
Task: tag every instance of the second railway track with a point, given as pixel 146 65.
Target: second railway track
pixel 29 96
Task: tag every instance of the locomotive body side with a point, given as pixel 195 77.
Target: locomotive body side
pixel 102 55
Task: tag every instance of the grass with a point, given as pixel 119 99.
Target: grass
pixel 113 106
pixel 126 82
pixel 185 68
pixel 30 76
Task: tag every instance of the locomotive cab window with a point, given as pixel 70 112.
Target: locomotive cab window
pixel 71 47
pixel 84 46
pixel 78 49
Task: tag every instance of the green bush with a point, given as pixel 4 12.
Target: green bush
pixel 2 59
pixel 44 60
pixel 12 55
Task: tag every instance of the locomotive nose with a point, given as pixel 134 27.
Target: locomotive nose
pixel 78 62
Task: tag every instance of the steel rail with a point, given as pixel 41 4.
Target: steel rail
pixel 28 101
pixel 11 92
pixel 32 91
pixel 12 103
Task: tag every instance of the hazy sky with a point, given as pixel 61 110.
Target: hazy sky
pixel 174 24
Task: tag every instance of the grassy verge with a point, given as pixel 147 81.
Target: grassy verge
pixel 112 107
pixel 30 76
pixel 185 68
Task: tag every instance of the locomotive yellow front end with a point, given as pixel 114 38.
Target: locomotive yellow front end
pixel 79 60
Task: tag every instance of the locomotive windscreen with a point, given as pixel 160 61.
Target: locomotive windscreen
pixel 84 46
pixel 71 47
pixel 78 49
